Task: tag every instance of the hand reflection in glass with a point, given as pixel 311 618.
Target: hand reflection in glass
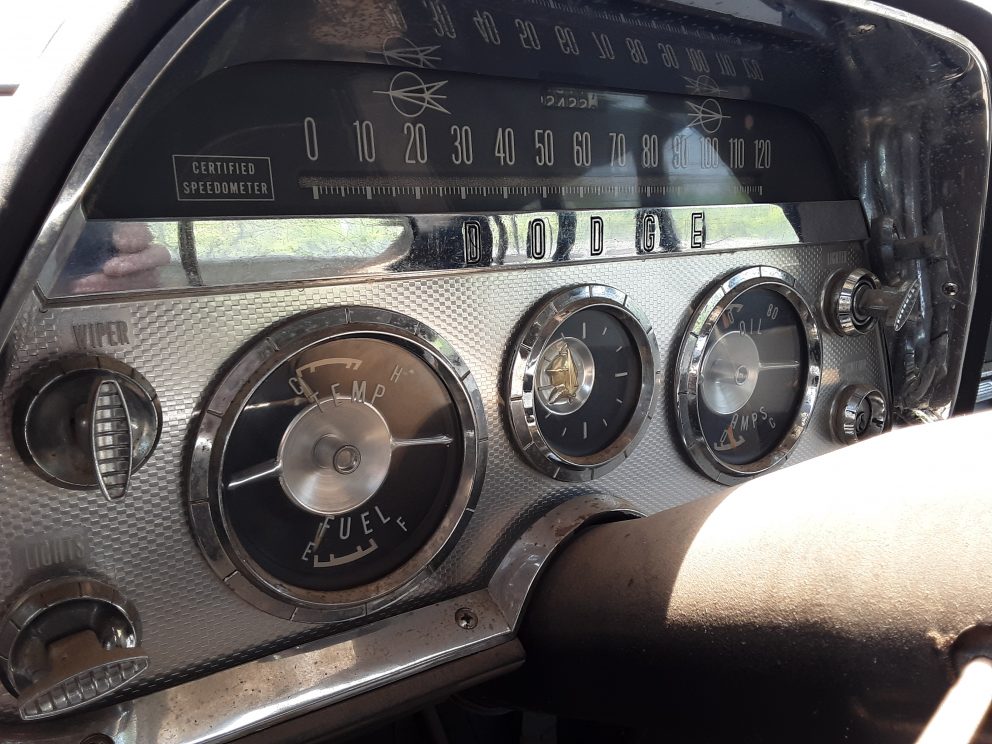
pixel 133 263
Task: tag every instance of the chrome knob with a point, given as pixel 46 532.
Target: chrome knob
pixel 859 413
pixel 856 301
pixel 88 422
pixel 67 643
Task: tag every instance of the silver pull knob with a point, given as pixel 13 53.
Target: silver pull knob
pixel 88 422
pixel 68 643
pixel 858 300
pixel 859 413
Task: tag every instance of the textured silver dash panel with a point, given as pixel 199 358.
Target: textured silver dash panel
pixel 192 622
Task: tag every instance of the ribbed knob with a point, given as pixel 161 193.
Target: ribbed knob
pixel 857 300
pixel 88 422
pixel 67 643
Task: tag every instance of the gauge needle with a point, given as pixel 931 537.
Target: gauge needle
pixel 308 392
pixel 779 365
pixel 439 439
pixel 273 468
pixel 319 537
pixel 268 469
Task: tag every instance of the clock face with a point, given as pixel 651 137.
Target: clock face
pixel 582 383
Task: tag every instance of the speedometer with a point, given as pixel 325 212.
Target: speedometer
pixel 307 138
pixel 749 371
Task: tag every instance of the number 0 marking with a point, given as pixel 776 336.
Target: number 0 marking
pixel 310 135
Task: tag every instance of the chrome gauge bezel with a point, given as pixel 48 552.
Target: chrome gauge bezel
pixel 521 371
pixel 221 547
pixel 690 360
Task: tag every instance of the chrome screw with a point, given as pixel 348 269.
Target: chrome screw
pixel 466 619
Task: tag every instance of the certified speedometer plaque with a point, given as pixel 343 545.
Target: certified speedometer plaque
pixel 748 374
pixel 582 382
pixel 336 462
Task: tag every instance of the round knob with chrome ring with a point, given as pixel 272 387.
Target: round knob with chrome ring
pixel 67 643
pixel 859 413
pixel 87 422
pixel 857 300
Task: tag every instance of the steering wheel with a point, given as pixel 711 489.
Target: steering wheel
pixel 837 599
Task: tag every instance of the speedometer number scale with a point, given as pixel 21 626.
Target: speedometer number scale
pixel 749 370
pixel 344 464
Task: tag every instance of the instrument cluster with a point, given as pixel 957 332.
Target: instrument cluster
pixel 340 457
pixel 345 310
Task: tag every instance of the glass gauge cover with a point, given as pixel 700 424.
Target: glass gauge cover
pixel 749 371
pixel 344 463
pixel 581 383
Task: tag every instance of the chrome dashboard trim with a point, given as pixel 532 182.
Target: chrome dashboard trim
pixel 25 118
pixel 252 696
pixel 183 345
pixel 470 242
pixel 125 103
pixel 925 396
pixel 522 565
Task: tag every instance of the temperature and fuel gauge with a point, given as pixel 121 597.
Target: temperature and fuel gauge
pixel 582 382
pixel 344 464
pixel 749 371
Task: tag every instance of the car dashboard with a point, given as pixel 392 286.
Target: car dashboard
pixel 349 314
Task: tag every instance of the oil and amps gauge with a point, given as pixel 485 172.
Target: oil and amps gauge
pixel 581 382
pixel 336 462
pixel 748 373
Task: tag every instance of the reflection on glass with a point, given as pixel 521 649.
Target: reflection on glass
pixel 128 256
pixel 110 257
pixel 114 257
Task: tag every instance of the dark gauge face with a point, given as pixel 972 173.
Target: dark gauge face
pixel 582 383
pixel 753 376
pixel 342 463
pixel 749 370
pixel 588 383
pixel 336 462
pixel 398 139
